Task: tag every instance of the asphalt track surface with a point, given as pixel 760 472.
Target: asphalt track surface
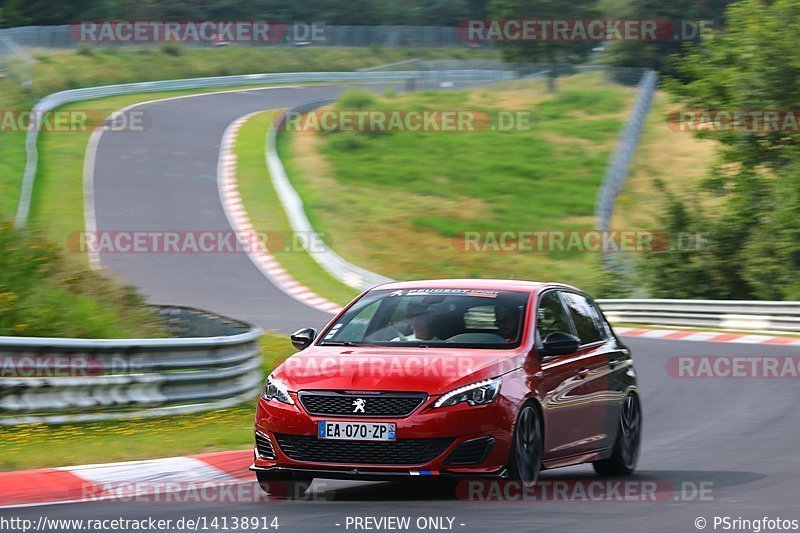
pixel 735 438
pixel 164 179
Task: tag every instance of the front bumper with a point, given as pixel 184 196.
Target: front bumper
pixel 374 475
pixel 460 424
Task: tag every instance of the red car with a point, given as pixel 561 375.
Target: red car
pixel 456 379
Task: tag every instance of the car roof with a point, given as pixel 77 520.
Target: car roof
pixel 482 284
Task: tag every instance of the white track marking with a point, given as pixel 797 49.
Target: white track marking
pixel 240 222
pixel 177 469
pixel 708 336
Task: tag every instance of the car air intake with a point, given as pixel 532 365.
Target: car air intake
pixel 470 452
pixel 378 405
pixel 399 452
pixel 264 446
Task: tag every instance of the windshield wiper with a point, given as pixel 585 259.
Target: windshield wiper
pixel 343 343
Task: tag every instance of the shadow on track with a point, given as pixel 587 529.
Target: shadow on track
pixel 666 485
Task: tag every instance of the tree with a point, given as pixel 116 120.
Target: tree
pixel 555 55
pixel 754 65
pixel 688 18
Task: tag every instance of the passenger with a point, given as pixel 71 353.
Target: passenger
pixel 421 322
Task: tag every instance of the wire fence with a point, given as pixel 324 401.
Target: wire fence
pixel 15 41
pixel 355 36
pixel 619 164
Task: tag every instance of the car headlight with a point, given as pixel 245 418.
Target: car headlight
pixel 274 388
pixel 479 393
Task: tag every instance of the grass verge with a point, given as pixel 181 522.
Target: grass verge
pixel 58 70
pixel 57 202
pixel 41 446
pixel 409 196
pixel 678 159
pixel 267 215
pixel 44 294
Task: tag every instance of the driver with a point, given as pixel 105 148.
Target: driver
pixel 506 318
pixel 421 321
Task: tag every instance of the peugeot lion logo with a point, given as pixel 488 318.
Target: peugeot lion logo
pixel 358 405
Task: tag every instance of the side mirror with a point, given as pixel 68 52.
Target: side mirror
pixel 302 338
pixel 560 343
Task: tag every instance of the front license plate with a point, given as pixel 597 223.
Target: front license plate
pixel 356 430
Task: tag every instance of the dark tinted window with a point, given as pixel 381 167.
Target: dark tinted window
pixel 472 318
pixel 585 317
pixel 551 316
pixel 605 327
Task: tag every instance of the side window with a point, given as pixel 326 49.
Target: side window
pixel 550 316
pixel 585 316
pixel 605 327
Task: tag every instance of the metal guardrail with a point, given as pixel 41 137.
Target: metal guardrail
pixel 212 363
pixel 348 273
pixel 52 101
pixel 362 279
pixel 740 315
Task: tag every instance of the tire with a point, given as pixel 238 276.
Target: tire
pixel 284 486
pixel 625 453
pixel 525 459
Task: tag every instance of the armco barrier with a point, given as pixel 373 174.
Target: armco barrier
pixel 212 363
pixel 740 315
pixel 361 278
pixel 52 101
pixel 352 275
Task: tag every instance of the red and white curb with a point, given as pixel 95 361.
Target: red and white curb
pixel 707 336
pixel 240 222
pixel 212 474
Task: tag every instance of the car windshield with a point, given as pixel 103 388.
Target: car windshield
pixel 432 317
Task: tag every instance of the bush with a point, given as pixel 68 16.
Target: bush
pixel 84 50
pixel 172 49
pixel 356 99
pixel 348 141
pixel 43 295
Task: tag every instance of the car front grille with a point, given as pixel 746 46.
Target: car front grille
pixel 399 452
pixel 383 405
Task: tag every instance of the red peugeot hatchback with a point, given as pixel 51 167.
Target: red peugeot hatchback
pixel 452 378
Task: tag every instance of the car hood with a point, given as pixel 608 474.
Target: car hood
pixel 430 370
